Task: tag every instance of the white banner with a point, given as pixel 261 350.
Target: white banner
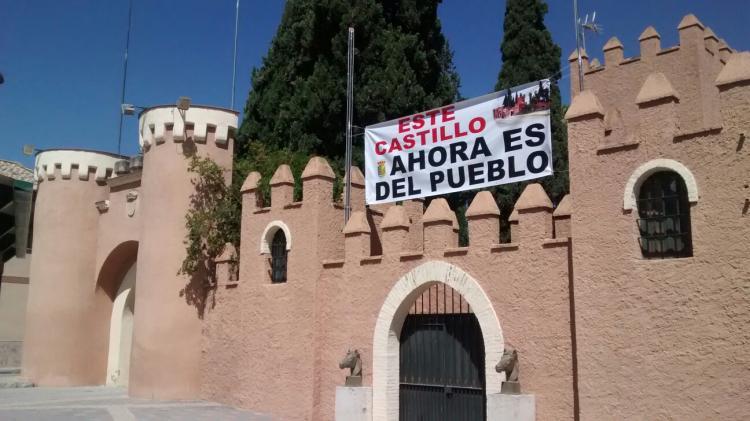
pixel 500 138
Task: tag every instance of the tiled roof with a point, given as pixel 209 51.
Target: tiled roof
pixel 16 171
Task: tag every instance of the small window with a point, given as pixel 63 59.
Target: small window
pixel 278 257
pixel 664 217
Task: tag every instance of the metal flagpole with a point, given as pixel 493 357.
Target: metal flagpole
pixel 349 112
pixel 124 74
pixel 234 57
pixel 578 45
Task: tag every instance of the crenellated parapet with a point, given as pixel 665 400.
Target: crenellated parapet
pixel 626 86
pixel 533 226
pixel 200 124
pixel 393 232
pixel 62 163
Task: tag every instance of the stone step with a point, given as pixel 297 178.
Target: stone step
pixel 10 370
pixel 12 380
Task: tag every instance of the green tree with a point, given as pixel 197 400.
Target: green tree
pixel 296 107
pixel 403 64
pixel 529 54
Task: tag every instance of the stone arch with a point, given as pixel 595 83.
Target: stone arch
pixel 270 231
pixel 115 266
pixel 629 200
pixel 385 365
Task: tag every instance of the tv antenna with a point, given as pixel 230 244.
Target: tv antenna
pixel 589 26
pixel 580 28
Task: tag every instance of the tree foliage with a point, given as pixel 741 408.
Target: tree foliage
pixel 213 218
pixel 296 106
pixel 529 54
pixel 297 102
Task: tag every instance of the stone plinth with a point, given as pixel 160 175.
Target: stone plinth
pixel 502 407
pixel 353 403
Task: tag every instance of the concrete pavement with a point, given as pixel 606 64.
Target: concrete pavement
pixel 107 404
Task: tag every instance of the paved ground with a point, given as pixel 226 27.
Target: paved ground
pixel 107 403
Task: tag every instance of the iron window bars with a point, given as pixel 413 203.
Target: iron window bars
pixel 664 217
pixel 278 257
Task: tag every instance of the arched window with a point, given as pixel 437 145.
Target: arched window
pixel 278 257
pixel 664 216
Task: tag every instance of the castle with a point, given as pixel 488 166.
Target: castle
pixel 628 300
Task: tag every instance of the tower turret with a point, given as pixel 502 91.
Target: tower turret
pixel 167 331
pixel 64 336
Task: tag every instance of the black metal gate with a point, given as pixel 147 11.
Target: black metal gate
pixel 442 360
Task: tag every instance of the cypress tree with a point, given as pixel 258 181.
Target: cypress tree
pixel 297 101
pixel 529 54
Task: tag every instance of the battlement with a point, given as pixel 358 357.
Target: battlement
pixel 386 230
pixel 693 35
pixel 201 124
pixel 674 93
pixel 61 163
pixel 393 232
pixel 686 72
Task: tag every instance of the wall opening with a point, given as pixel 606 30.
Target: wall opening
pixel 121 331
pixel 116 285
pixel 402 300
pixel 441 361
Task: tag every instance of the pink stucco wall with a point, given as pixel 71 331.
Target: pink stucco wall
pixel 663 339
pixel 64 344
pixel 291 336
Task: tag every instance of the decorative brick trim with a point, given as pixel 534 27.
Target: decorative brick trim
pixel 644 171
pixel 270 231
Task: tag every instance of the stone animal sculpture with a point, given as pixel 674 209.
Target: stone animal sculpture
pixel 509 364
pixel 353 362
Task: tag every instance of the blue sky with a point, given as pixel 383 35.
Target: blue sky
pixel 62 60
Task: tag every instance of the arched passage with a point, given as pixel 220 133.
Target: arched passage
pixel 386 344
pixel 121 331
pixel 117 280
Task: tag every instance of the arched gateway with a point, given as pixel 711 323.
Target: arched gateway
pixel 390 326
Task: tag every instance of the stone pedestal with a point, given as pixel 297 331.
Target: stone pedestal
pixel 353 403
pixel 510 388
pixel 502 407
pixel 353 381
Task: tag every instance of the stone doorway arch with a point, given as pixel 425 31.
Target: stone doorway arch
pixel 391 318
pixel 117 280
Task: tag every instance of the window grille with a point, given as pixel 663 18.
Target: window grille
pixel 664 217
pixel 278 257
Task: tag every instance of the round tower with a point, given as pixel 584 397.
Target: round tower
pixel 167 330
pixel 64 343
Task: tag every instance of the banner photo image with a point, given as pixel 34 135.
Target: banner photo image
pixel 499 138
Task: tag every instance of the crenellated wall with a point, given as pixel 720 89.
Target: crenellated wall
pixel 601 331
pixel 689 69
pixel 91 226
pixel 338 279
pixel 662 338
